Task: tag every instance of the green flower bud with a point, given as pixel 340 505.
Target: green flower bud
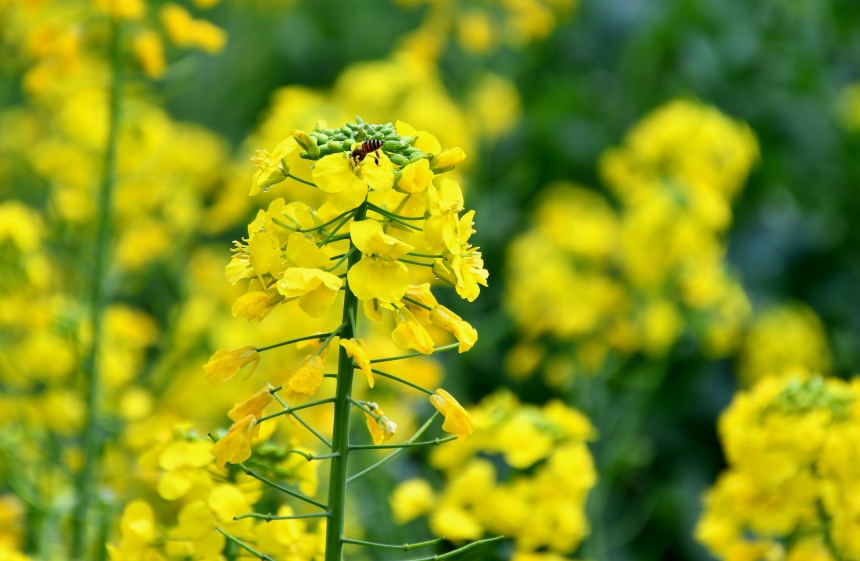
pixel 393 145
pixel 321 138
pixel 398 160
pixel 335 146
pixel 418 156
pixel 340 137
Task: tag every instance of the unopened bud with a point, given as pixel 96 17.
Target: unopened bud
pixel 447 159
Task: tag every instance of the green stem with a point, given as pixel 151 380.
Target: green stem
pixel 334 239
pixel 436 350
pixel 435 442
pixel 332 336
pixel 88 476
pixel 427 255
pixel 340 224
pixel 270 517
pixel 363 407
pixel 310 457
pixel 397 452
pixel 295 415
pixel 300 180
pixel 390 214
pixel 243 545
pixel 417 303
pixel 291 341
pixel 411 262
pixel 289 410
pixel 404 547
pixel 321 226
pixel 459 550
pixel 340 430
pixel 401 380
pixel 343 258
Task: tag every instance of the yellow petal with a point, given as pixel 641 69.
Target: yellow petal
pixel 224 364
pixel 368 237
pixel 334 174
pixel 371 278
pixel 355 349
pixel 451 322
pixel 457 420
pixel 298 281
pixel 306 379
pixel 414 178
pixel 378 173
pixel 235 447
pixel 173 485
pixel 302 252
pixel 409 334
pixel 254 405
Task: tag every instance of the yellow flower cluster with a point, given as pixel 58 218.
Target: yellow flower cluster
pixel 537 498
pixel 484 27
pixel 782 340
pixel 634 274
pixel 791 489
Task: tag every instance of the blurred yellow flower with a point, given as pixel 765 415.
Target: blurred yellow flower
pixel 224 364
pixel 410 499
pixel 235 447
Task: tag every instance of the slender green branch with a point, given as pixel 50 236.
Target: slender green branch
pixel 330 337
pixel 411 262
pixel 401 380
pixel 340 224
pixel 388 213
pixel 89 473
pixel 274 485
pixel 397 452
pixel 291 341
pixel 427 255
pixel 300 180
pixel 289 410
pixel 404 547
pixel 436 350
pixel 270 517
pixel 295 415
pixel 243 545
pixel 310 457
pixel 334 239
pixel 458 550
pixel 321 226
pixel 435 442
pixel 361 405
pixel 338 256
pixel 417 303
pixel 330 375
pixel 401 222
pixel 343 258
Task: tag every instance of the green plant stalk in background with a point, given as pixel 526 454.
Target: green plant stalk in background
pixel 91 438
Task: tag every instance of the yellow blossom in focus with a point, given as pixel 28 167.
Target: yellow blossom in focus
pixel 378 275
pixel 409 334
pixel 235 447
pixel 451 322
pixel 414 178
pixel 457 420
pixel 224 364
pixel 357 352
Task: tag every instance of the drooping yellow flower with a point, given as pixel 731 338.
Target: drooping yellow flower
pixel 316 289
pixel 449 321
pixel 346 183
pixel 355 349
pixel 378 275
pixel 457 420
pixel 442 229
pixel 421 293
pixel 382 429
pixel 235 447
pixel 224 364
pixel 255 305
pixel 307 378
pixel 273 167
pixel 409 334
pixel 414 178
pixel 254 405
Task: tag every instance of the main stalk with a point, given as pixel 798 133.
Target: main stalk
pixel 340 432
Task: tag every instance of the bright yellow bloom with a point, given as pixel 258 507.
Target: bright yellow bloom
pixel 186 31
pixel 347 183
pixel 378 275
pixel 255 305
pixel 355 349
pixel 382 429
pixel 315 288
pixel 411 498
pixel 150 53
pixel 235 447
pixel 307 378
pixel 457 420
pixel 273 167
pixel 421 293
pixel 442 229
pixel 424 141
pixel 447 159
pixel 449 321
pixel 254 405
pixel 224 364
pixel 409 334
pixel 414 178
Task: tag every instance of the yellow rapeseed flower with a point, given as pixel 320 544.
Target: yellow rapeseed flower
pixel 451 322
pixel 457 420
pixel 414 178
pixel 307 378
pixel 378 275
pixel 346 183
pixel 273 168
pixel 235 447
pixel 409 334
pixel 355 349
pixel 224 364
pixel 442 228
pixel 254 405
pixel 382 429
